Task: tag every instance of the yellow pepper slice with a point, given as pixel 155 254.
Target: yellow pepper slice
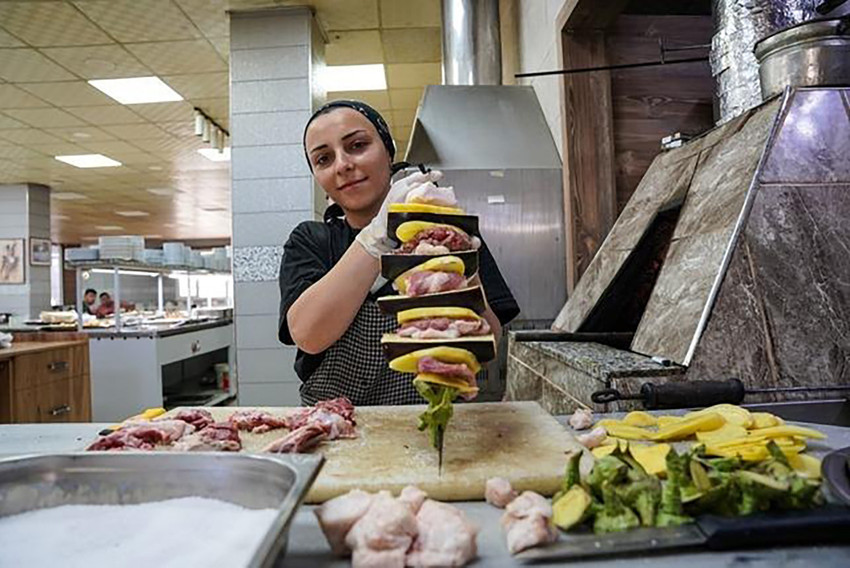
pixel 731 413
pixel 696 423
pixel 652 458
pixel 640 418
pixel 766 420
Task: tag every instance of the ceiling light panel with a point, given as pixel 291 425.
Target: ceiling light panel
pixel 132 213
pixel 354 78
pixel 89 161
pixel 67 195
pixel 137 90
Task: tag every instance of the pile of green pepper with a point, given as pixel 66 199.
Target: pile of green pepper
pixel 619 494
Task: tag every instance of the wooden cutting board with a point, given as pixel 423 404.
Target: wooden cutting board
pixel 515 440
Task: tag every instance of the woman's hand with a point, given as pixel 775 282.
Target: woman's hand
pixel 373 237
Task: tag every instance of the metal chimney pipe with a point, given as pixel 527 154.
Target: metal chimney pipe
pixel 471 43
pixel 738 25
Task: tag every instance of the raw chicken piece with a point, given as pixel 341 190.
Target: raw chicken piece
pixel 446 537
pixel 530 532
pixel 384 534
pixel 593 438
pixel 197 417
pixel 413 496
pixel 337 516
pixel 170 430
pixel 432 194
pixel 527 522
pixel 582 419
pixel 142 435
pixel 498 492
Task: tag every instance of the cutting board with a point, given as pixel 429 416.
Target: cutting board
pixel 515 440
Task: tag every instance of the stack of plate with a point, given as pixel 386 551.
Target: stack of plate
pixel 174 254
pixel 128 247
pixel 80 254
pixel 154 257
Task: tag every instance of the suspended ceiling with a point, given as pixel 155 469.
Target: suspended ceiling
pixel 165 189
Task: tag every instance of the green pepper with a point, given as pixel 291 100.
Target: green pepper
pixel 671 512
pixel 614 515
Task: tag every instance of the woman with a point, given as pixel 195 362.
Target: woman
pixel 330 272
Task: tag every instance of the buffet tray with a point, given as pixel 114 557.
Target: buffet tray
pixel 94 478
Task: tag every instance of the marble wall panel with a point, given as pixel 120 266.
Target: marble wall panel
pixel 596 279
pixel 680 294
pixel 799 240
pixel 724 175
pixel 813 145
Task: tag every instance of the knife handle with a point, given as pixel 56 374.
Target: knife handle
pixel 821 525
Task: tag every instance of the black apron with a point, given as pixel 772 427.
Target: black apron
pixel 355 366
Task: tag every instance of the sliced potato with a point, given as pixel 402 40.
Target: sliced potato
pixel 726 432
pixel 409 363
pixel 653 458
pixel 805 465
pixel 766 420
pixel 640 418
pixel 668 419
pixel 731 413
pixel 697 422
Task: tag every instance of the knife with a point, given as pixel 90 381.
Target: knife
pixel 821 525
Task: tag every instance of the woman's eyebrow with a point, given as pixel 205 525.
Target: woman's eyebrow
pixel 349 135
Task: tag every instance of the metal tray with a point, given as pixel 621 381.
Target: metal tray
pixel 99 478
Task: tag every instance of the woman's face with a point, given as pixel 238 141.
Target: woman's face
pixel 350 162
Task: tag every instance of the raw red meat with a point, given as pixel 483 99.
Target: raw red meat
pixel 217 437
pixel 431 282
pixel 449 370
pixel 256 421
pixel 298 440
pixel 341 406
pixel 440 235
pixel 143 435
pixel 443 328
pixel 197 417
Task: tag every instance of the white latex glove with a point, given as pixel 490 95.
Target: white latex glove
pixel 373 237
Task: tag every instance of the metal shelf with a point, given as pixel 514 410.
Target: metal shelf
pixel 134 265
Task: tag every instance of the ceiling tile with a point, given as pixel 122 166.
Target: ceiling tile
pixel 79 134
pixel 405 98
pixel 110 147
pixel 378 99
pixel 222 46
pixel 13 97
pixel 181 129
pixel 354 48
pixel 347 14
pixel 18 152
pixel 31 135
pixel 167 112
pixel 68 93
pixel 9 122
pixel 403 117
pixel 8 40
pixel 46 117
pixel 134 132
pixel 209 15
pixel 29 66
pixel 98 62
pixel 103 115
pixel 174 57
pixel 406 75
pixel 43 24
pixel 131 20
pixel 200 85
pixel 421 13
pixel 412 45
pixel 60 149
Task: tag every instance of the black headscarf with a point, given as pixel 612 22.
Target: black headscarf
pixel 371 115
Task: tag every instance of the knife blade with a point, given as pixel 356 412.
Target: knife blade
pixel 821 525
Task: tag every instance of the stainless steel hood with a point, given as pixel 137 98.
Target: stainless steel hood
pixel 481 127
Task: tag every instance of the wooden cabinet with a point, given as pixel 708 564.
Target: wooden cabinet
pixel 45 382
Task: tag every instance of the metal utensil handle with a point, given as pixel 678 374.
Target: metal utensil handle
pixel 59 410
pixel 692 393
pixel 57 366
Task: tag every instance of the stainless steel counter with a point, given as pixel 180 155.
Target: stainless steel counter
pixel 135 331
pixel 308 548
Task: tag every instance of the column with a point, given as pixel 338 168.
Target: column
pixel 24 214
pixel 274 55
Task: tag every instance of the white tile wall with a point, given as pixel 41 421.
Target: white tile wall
pixel 538 52
pixel 25 213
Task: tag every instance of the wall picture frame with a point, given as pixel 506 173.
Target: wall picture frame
pixel 39 252
pixel 12 257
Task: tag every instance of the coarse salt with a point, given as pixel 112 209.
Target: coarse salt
pixel 191 531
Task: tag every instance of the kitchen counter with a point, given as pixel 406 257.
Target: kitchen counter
pixel 308 548
pixel 135 331
pixel 28 347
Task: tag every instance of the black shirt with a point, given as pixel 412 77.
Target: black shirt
pixel 314 247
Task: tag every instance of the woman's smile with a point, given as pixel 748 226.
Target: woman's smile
pixel 352 184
